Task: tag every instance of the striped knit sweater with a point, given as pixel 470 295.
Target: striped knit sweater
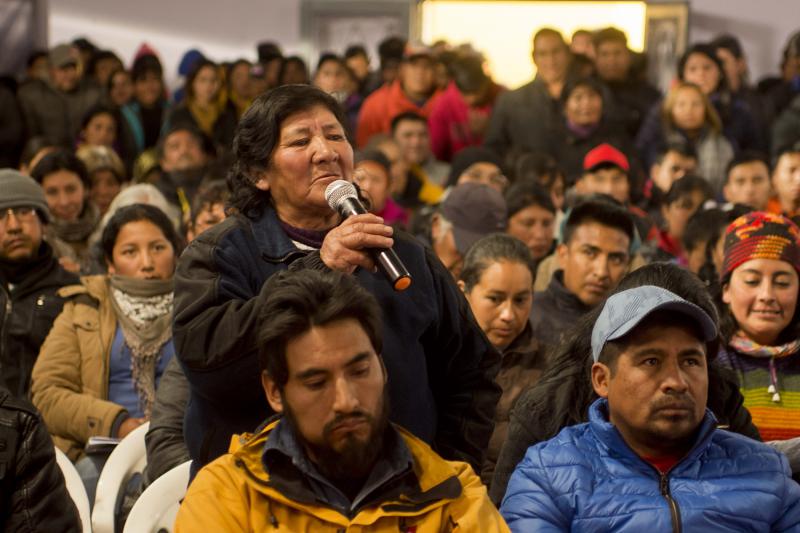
pixel 775 420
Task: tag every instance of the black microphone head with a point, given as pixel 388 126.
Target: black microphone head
pixel 338 191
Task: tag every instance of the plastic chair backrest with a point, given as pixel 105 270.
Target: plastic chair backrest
pixel 76 489
pixel 157 507
pixel 128 458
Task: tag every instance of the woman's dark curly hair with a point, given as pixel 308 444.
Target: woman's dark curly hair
pixel 258 133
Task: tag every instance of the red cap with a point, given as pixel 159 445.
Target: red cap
pixel 605 154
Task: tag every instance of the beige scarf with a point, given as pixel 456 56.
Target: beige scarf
pixel 144 311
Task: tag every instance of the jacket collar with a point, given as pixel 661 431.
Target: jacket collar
pixel 564 298
pixel 436 481
pixel 611 438
pixel 273 243
pixel 394 463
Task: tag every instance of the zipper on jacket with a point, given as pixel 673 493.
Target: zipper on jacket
pixel 4 327
pixel 673 505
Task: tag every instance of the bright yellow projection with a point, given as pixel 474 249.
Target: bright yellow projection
pixel 503 31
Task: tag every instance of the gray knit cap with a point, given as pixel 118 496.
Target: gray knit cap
pixel 18 190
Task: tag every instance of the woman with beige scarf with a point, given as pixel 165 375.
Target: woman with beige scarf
pixel 98 369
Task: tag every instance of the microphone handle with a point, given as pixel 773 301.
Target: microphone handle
pixel 387 259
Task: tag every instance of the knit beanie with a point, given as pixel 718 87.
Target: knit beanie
pixel 760 235
pixel 19 191
pixel 467 157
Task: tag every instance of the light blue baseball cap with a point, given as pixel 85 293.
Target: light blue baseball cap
pixel 624 310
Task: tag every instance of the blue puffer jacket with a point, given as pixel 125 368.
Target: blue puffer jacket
pixel 588 479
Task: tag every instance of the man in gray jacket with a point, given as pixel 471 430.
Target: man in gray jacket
pixel 55 109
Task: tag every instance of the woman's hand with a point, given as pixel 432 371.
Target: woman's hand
pixel 128 425
pixel 345 246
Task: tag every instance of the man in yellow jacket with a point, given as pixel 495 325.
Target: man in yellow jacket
pixel 332 461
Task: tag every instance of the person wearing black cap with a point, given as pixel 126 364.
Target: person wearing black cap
pixel 30 277
pixel 476 164
pixel 55 108
pixel 145 114
pixel 651 456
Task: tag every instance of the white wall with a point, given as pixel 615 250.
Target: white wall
pixel 763 26
pixel 231 28
pixel 227 31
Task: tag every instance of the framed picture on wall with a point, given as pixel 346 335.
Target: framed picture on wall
pixel 332 25
pixel 666 35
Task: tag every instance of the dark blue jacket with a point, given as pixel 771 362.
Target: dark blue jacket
pixel 441 367
pixel 588 479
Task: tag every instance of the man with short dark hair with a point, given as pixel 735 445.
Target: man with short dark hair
pixel 673 161
pixel 747 181
pixel 630 98
pixel 786 183
pixel 414 90
pixel 460 116
pixel 30 277
pixel 594 254
pixel 522 118
pixel 651 457
pixel 333 461
pixel 357 59
pixel 410 132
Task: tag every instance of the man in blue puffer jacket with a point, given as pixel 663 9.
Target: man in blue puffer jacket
pixel 651 458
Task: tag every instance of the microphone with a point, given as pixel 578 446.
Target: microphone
pixel 342 196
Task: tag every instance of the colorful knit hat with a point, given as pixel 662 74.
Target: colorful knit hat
pixel 760 235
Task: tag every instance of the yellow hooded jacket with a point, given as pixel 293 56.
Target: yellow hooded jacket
pixel 234 493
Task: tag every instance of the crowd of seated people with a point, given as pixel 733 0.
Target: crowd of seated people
pixel 603 297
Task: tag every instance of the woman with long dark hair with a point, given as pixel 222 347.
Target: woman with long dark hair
pixel 290 146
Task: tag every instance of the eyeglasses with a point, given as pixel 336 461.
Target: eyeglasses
pixel 21 213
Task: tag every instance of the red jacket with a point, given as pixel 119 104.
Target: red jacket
pixel 382 106
pixel 449 122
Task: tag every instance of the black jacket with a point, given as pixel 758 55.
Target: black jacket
pixel 33 496
pixel 166 448
pixel 28 309
pixel 569 149
pixel 522 119
pixel 441 367
pixel 786 128
pixel 554 311
pixel 565 388
pixel 629 102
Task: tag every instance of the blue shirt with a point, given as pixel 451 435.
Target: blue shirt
pixel 121 389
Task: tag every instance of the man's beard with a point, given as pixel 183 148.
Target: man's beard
pixel 355 458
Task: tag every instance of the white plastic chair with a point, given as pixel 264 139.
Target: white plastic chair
pixel 157 507
pixel 75 489
pixel 127 459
